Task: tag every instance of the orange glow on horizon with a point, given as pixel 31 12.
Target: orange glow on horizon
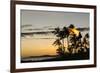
pixel 37 47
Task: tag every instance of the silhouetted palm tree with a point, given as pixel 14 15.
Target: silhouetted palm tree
pixel 61 34
pixel 57 42
pixel 65 32
pixel 57 32
pixel 75 44
pixel 75 38
pixel 86 42
pixel 60 51
pixel 71 26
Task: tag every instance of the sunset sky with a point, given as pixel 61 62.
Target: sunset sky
pixel 41 21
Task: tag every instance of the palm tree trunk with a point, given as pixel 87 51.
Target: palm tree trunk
pixel 63 45
pixel 67 43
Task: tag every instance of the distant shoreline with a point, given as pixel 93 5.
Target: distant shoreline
pixel 57 58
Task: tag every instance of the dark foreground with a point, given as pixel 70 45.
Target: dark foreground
pixel 66 57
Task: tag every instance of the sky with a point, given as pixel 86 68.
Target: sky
pixel 36 19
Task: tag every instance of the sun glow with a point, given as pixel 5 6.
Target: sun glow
pixel 74 31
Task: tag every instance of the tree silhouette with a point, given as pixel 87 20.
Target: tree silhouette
pixel 61 34
pixel 74 39
pixel 77 46
pixel 58 43
pixel 65 33
pixel 86 42
pixel 60 51
pixel 71 26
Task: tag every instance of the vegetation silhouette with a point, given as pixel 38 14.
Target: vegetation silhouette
pixel 77 45
pixel 61 34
